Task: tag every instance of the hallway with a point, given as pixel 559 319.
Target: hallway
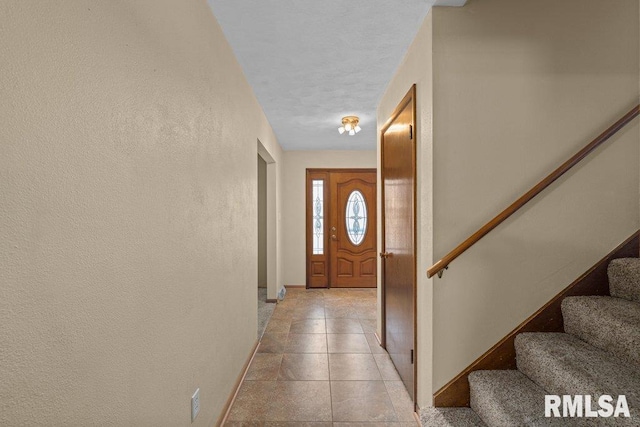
pixel 319 364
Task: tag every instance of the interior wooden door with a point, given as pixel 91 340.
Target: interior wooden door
pixel 353 229
pixel 398 241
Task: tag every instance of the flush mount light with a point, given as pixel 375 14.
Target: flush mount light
pixel 350 125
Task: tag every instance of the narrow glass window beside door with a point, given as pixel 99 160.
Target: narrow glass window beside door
pixel 356 217
pixel 317 196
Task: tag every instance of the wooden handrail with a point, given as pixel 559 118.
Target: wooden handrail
pixel 439 266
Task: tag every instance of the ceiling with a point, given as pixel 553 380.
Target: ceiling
pixel 312 62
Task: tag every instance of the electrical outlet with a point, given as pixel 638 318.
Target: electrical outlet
pixel 195 404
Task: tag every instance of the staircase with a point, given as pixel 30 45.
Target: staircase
pixel 598 354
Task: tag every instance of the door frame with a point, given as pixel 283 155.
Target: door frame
pixel 272 223
pixel 327 208
pixel 410 97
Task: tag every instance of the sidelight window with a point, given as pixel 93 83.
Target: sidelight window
pixel 318 216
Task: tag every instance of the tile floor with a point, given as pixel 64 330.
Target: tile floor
pixel 319 364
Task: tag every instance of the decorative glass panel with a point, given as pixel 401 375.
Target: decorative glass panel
pixel 356 217
pixel 317 200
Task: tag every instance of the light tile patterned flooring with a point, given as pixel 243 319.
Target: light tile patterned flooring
pixel 319 364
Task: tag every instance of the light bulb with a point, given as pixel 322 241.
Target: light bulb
pixel 348 127
pixel 352 132
pixel 341 130
pixel 358 129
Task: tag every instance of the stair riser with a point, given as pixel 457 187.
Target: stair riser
pixel 610 324
pixel 506 398
pixel 624 278
pixel 450 417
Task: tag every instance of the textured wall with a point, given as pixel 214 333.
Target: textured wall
pixel 293 216
pixel 127 212
pixel 507 90
pixel 520 86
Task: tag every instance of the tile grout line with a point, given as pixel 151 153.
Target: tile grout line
pixel 393 405
pixel 326 337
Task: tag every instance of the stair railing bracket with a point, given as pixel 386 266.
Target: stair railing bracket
pixel 441 272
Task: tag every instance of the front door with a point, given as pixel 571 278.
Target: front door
pixel 398 254
pixel 353 230
pixel 341 228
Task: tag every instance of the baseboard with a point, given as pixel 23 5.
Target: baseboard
pixel 224 414
pixel 295 286
pixel 416 416
pixel 547 319
pixel 270 301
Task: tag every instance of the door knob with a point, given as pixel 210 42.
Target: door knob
pixel 385 255
pixel 333 237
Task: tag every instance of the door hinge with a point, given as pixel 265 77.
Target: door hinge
pixel 412 356
pixel 410 131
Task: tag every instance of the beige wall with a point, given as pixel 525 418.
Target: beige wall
pixel 293 214
pixel 518 87
pixel 127 212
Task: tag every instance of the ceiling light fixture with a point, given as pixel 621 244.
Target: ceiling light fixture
pixel 350 125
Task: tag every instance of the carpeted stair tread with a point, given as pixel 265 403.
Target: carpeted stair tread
pixel 624 278
pixel 450 417
pixel 611 324
pixel 563 364
pixel 508 398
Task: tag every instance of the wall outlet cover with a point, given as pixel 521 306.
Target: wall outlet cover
pixel 195 404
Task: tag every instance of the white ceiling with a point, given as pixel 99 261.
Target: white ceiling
pixel 312 62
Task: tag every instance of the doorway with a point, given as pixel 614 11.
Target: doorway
pixel 341 228
pixel 270 222
pixel 398 175
pixel 262 224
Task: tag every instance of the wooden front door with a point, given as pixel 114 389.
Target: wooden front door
pixel 353 229
pixel 341 228
pixel 398 238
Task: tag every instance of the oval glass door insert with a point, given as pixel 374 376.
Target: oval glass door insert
pixel 356 217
